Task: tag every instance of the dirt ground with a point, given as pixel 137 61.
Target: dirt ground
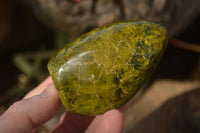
pixel 167 106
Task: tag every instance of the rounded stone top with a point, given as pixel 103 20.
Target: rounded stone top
pixel 104 68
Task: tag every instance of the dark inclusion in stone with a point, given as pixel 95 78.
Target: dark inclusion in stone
pixel 104 68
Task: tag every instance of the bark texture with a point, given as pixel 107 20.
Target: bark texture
pixel 77 17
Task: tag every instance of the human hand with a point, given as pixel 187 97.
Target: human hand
pixel 41 104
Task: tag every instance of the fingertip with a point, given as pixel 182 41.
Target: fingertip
pixel 40 88
pixel 111 122
pixel 124 108
pixel 50 90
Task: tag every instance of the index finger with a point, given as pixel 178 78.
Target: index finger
pixel 40 88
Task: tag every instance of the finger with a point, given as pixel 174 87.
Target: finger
pixel 72 123
pixel 40 88
pixel 126 106
pixel 93 126
pixel 29 113
pixel 111 122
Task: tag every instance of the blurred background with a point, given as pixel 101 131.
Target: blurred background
pixel 32 30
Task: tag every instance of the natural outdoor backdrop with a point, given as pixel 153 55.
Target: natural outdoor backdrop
pixel 32 30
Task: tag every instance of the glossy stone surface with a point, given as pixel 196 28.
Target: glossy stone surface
pixel 105 68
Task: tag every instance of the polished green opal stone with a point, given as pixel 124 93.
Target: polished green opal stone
pixel 104 68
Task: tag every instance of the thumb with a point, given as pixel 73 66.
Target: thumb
pixel 30 113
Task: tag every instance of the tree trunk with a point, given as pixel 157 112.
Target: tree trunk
pixel 76 17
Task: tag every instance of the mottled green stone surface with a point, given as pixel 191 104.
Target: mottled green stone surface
pixel 104 68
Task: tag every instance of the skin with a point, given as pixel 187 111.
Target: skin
pixel 28 114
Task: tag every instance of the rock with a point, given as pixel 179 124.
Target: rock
pixel 104 68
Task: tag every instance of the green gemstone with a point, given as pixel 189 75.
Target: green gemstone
pixel 104 68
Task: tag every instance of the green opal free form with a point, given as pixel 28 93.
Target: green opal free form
pixel 104 68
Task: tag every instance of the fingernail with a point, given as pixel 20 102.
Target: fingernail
pixel 47 91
